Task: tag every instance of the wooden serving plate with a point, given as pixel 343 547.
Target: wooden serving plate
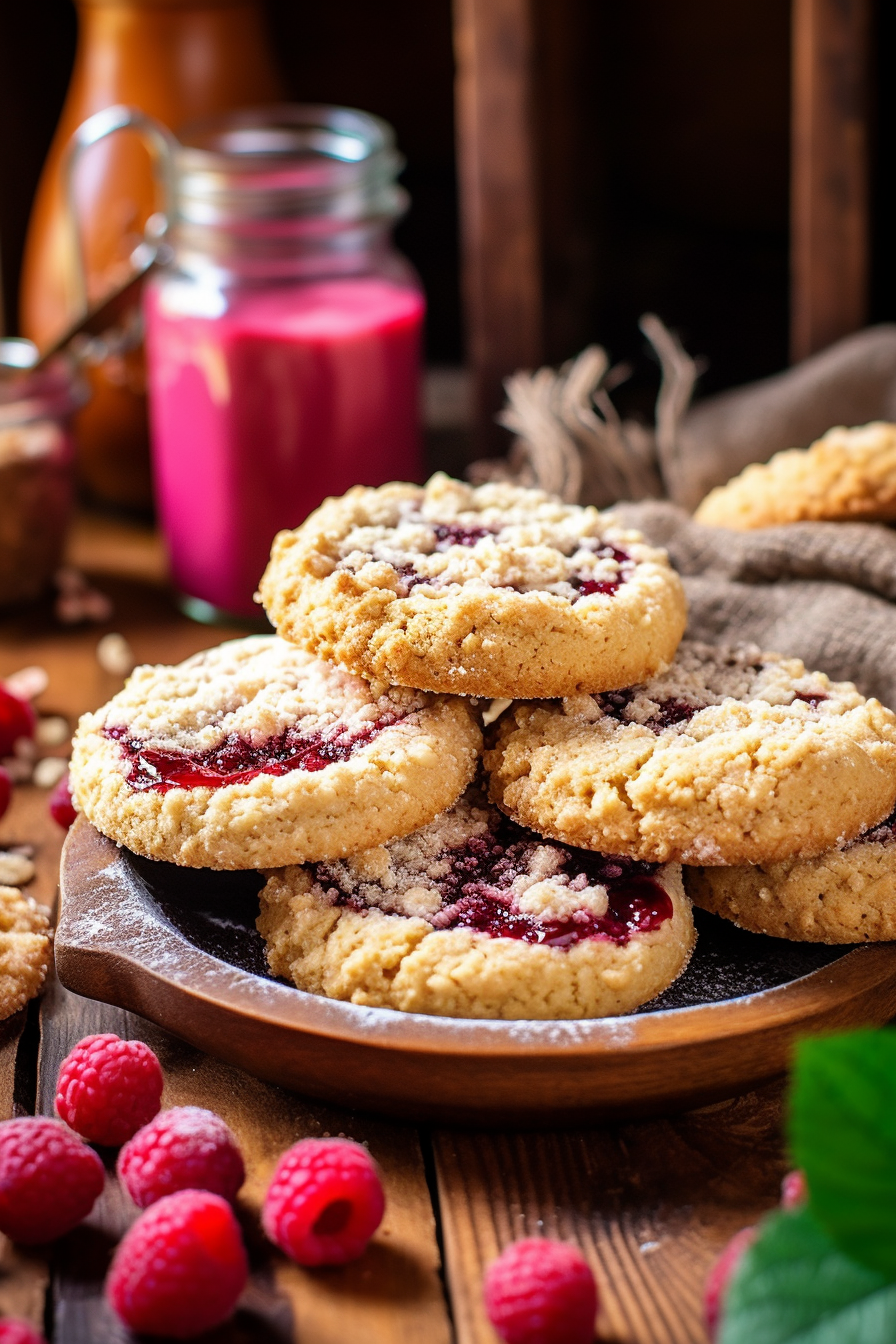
pixel 179 946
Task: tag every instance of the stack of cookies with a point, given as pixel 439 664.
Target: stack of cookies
pixel 540 878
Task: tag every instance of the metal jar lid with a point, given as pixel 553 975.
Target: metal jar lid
pixel 287 161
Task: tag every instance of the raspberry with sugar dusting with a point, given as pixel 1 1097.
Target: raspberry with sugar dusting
pixel 108 1088
pixel 541 1292
pixel 180 1268
pixel 186 1148
pixel 49 1179
pixel 325 1202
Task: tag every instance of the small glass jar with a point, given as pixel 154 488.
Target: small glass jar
pixel 283 338
pixel 36 467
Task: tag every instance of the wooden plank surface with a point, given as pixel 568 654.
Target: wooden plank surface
pixel 830 232
pixel 106 544
pixel 392 1295
pixel 497 173
pixel 649 1204
pixel 28 822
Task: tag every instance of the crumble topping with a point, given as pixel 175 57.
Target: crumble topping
pixel 703 675
pixel 496 536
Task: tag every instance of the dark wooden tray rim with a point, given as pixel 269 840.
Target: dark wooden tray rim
pixel 115 944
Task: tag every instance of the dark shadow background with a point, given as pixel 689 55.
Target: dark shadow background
pixel 663 141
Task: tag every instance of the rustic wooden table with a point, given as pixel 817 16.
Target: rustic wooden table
pixel 649 1203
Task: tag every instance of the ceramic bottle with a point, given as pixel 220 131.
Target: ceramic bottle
pixel 177 60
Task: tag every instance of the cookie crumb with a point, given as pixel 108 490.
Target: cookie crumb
pixel 52 731
pixel 15 869
pixel 28 682
pixel 77 601
pixel 115 655
pixel 24 949
pixel 49 771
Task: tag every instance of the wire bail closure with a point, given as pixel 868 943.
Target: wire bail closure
pixel 161 145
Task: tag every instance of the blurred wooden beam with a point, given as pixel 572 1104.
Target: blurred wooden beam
pixel 500 236
pixel 829 172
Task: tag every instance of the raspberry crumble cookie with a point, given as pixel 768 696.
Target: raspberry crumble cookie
pixel 254 754
pixel 24 949
pixel 847 895
pixel 493 591
pixel 472 916
pixel 732 756
pixel 848 474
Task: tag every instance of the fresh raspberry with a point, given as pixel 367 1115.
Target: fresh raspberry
pixel 541 1292
pixel 17 719
pixel 719 1277
pixel 325 1201
pixel 49 1179
pixel 794 1190
pixel 186 1148
pixel 13 1331
pixel 108 1088
pixel 5 790
pixel 180 1268
pixel 62 809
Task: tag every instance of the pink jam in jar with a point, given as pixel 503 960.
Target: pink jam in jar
pixel 283 339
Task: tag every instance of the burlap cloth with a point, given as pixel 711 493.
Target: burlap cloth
pixel 823 592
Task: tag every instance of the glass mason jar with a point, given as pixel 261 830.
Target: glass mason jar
pixel 283 338
pixel 36 467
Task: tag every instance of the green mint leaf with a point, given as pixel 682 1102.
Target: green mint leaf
pixel 794 1286
pixel 843 1135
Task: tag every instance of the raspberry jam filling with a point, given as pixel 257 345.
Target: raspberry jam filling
pixel 455 534
pixel 636 905
pixel 670 712
pixel 476 891
pixel 811 698
pixel 884 833
pixel 673 711
pixel 236 760
pixel 408 578
pixel 585 586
